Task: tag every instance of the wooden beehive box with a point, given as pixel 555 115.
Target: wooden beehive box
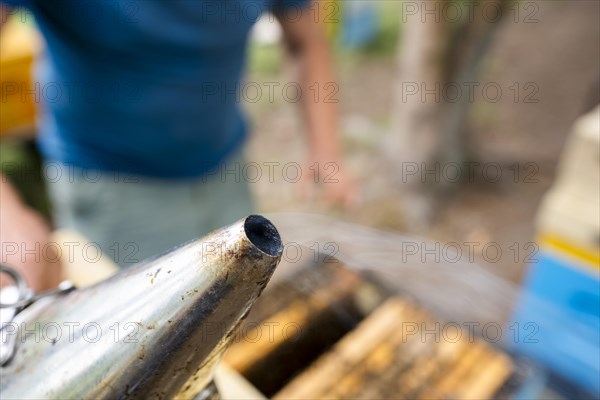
pixel 328 332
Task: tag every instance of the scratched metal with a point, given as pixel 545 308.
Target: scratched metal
pixel 152 331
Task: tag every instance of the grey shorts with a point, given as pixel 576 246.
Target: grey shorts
pixel 131 218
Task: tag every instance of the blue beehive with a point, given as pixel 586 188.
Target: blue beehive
pixel 560 302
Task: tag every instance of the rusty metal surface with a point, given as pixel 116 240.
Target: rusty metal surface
pixel 153 331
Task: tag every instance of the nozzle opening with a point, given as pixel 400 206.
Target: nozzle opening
pixel 263 234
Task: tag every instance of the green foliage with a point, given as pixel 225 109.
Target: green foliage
pixel 22 165
pixel 388 32
pixel 265 60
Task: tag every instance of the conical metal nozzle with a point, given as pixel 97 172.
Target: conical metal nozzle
pixel 152 331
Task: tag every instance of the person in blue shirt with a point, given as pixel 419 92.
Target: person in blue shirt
pixel 141 105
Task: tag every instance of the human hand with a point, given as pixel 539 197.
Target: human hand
pixel 24 237
pixel 327 178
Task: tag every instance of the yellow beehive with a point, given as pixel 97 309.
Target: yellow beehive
pixel 20 44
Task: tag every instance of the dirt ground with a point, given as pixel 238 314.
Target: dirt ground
pixel 558 55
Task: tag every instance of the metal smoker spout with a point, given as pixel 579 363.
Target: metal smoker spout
pixel 152 331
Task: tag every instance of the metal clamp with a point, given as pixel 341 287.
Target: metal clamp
pixel 26 296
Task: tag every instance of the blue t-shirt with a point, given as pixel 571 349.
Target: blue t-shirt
pixel 144 86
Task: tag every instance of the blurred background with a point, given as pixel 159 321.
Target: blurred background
pixel 505 95
pixel 543 57
pixel 460 125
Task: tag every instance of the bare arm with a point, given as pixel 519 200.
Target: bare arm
pixel 309 47
pixel 24 236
